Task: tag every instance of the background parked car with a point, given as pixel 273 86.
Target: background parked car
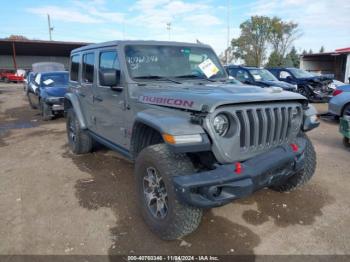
pixel 314 87
pixel 335 84
pixel 339 105
pixel 258 77
pixel 28 80
pixel 340 89
pixel 47 92
pixel 12 76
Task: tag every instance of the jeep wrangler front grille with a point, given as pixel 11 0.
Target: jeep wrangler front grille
pixel 254 129
pixel 265 126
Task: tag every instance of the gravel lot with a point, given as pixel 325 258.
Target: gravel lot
pixel 55 203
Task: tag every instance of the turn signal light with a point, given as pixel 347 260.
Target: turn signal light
pixel 238 168
pixel 294 147
pixel 169 139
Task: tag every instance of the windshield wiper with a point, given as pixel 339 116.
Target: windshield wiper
pixel 197 77
pixel 155 77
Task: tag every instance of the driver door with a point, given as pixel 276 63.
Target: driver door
pixel 110 104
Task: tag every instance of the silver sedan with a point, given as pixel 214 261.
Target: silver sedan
pixel 339 105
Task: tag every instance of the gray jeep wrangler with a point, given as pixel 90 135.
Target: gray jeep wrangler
pixel 198 140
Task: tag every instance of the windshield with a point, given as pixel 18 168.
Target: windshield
pixel 299 73
pixel 262 75
pixel 58 79
pixel 154 62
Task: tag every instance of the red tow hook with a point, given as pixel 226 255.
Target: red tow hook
pixel 294 147
pixel 238 168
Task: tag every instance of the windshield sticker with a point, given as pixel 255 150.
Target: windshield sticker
pixel 166 101
pixel 257 77
pixel 208 68
pixel 48 82
pixel 135 61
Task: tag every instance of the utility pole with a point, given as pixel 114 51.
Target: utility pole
pixel 50 28
pixel 168 27
pixel 228 29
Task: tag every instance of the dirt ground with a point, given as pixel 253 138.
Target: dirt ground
pixel 52 202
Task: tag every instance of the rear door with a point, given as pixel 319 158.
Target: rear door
pixel 81 81
pixel 88 80
pixel 110 104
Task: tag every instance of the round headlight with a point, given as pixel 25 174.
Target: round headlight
pixel 221 124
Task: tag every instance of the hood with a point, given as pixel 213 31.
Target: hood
pixel 281 84
pixel 316 79
pixel 209 97
pixel 57 91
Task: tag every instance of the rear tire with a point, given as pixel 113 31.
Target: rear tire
pixel 300 178
pixel 346 142
pixel 6 80
pixel 79 140
pixel 174 219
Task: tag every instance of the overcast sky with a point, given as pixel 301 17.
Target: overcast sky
pixel 322 22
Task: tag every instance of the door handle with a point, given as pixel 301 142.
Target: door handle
pixel 98 99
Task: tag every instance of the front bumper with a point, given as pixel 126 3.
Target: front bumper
pixel 222 185
pixel 56 103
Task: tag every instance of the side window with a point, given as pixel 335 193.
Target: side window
pixel 109 61
pixel 37 79
pixel 74 68
pixel 88 68
pixel 284 75
pixel 232 72
pixel 242 75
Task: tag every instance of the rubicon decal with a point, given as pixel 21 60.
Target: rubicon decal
pixel 166 101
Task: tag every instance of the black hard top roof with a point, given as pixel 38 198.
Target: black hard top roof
pixel 137 42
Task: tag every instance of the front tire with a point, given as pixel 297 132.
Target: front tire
pixel 346 111
pixel 46 112
pixel 165 215
pixel 31 103
pixel 79 140
pixel 300 178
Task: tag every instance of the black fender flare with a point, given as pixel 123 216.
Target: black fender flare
pixel 72 99
pixel 173 124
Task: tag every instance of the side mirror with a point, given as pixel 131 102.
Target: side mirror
pixel 248 82
pixel 289 79
pixel 111 78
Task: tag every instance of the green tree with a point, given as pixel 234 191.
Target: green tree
pixel 252 44
pixel 310 51
pixel 292 59
pixel 275 60
pixel 282 36
pixel 322 49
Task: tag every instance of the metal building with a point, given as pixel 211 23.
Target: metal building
pixel 336 63
pixel 21 54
